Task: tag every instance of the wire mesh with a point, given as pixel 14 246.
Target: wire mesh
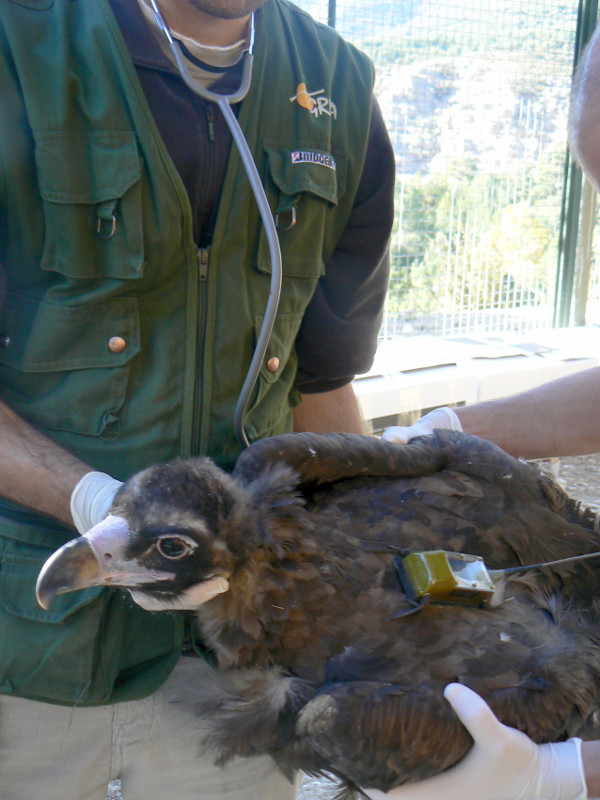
pixel 475 97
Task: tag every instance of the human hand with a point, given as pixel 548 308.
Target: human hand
pixel 92 498
pixel 442 417
pixel 503 764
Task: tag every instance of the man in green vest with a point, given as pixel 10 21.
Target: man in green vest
pixel 136 272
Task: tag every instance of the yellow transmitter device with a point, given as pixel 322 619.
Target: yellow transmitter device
pixel 446 577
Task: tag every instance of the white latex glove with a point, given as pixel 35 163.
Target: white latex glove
pixel 442 417
pixel 92 498
pixel 503 764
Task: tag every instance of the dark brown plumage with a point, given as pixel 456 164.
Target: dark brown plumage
pixel 320 663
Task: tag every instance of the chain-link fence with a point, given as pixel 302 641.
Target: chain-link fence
pixel 475 96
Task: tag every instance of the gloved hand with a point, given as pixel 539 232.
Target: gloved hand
pixel 503 764
pixel 92 498
pixel 442 417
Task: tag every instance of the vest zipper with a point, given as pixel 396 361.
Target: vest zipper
pixel 210 116
pixel 202 255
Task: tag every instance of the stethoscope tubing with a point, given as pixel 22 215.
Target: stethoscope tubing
pixel 225 102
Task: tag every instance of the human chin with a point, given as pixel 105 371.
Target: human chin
pixel 228 9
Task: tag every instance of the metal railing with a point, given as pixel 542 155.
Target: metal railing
pixel 475 97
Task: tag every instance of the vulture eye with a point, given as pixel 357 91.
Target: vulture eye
pixel 173 547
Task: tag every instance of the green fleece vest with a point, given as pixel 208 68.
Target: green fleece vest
pixel 119 339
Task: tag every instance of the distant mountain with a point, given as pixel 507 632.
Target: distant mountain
pixel 529 27
pixel 446 110
pixel 469 80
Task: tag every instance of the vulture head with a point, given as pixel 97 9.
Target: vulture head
pixel 175 534
pixel 327 660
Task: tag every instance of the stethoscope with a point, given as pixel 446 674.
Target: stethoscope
pixel 224 102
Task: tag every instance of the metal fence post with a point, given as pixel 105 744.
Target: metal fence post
pixel 331 8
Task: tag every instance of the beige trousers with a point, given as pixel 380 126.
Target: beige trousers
pixel 50 752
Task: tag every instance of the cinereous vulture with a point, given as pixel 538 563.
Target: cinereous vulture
pixel 327 658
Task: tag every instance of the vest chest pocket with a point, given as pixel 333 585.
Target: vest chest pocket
pixel 90 185
pixel 304 184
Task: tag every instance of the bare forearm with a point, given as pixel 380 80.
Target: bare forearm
pixel 584 114
pixel 330 412
pixel 34 471
pixel 560 418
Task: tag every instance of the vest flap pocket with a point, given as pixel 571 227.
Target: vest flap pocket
pixel 59 338
pixel 90 185
pixel 17 591
pixel 50 655
pixel 66 368
pixel 271 403
pixel 308 169
pixel 37 5
pixel 280 344
pixel 90 167
pixel 303 185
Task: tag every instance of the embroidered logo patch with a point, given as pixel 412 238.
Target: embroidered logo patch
pixel 315 102
pixel 310 156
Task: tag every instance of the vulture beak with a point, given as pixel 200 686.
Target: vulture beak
pixel 94 559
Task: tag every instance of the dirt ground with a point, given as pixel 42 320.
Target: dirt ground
pixel 581 478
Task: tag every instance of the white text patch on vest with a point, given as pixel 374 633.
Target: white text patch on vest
pixel 302 156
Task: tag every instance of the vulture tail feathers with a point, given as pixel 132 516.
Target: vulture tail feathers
pixel 247 713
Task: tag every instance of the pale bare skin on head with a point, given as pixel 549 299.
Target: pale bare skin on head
pixel 211 22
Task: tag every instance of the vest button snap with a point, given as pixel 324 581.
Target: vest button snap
pixel 273 364
pixel 4 341
pixel 117 344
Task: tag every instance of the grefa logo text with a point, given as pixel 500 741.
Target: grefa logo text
pixel 315 102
